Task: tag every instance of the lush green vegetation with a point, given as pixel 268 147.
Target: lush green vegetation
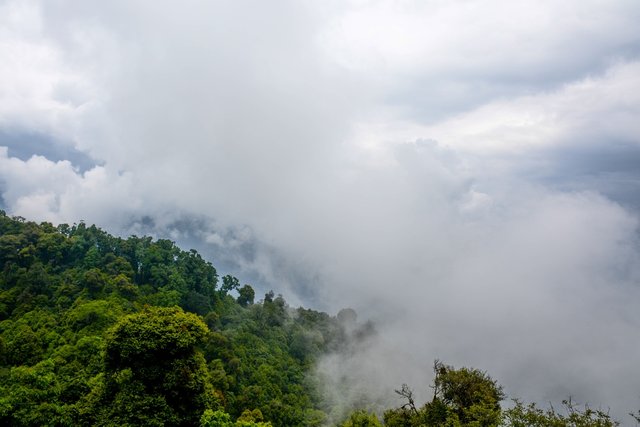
pixel 100 330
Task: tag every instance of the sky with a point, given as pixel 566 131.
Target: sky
pixel 465 174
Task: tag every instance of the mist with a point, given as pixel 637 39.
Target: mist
pixel 463 175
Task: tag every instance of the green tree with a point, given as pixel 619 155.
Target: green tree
pixel 246 295
pixel 361 419
pixel 229 283
pixel 154 372
pixel 575 416
pixel 217 418
pixel 32 397
pixel 472 395
pixel 220 418
pixel 462 397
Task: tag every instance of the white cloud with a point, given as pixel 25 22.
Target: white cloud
pixel 602 107
pixel 437 58
pixel 56 192
pixel 40 91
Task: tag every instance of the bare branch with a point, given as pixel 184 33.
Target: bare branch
pixel 407 393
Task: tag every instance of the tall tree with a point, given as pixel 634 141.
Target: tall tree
pixel 154 373
pixel 462 397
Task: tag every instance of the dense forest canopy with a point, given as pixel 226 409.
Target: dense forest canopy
pixel 101 330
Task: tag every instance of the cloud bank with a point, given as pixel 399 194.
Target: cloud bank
pixel 463 173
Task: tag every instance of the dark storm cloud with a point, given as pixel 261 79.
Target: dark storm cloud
pixel 610 168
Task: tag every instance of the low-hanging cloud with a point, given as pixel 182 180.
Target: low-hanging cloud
pixel 454 175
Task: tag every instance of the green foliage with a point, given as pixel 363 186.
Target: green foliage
pixel 251 419
pixel 471 394
pixel 217 418
pixel 462 397
pixel 93 316
pixel 246 295
pixel 31 396
pixel 222 419
pixel 153 369
pixel 532 416
pixel 361 419
pixel 152 336
pixel 229 283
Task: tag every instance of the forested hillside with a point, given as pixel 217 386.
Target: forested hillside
pixel 100 330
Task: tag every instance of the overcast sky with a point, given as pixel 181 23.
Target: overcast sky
pixel 464 173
